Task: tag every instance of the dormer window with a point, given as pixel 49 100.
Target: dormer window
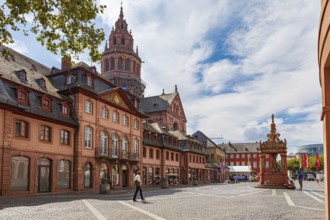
pixel 21 74
pixel 65 109
pixel 45 103
pixel 42 83
pixel 22 96
pixel 69 79
pixel 89 80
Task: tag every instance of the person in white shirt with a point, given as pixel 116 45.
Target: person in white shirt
pixel 138 183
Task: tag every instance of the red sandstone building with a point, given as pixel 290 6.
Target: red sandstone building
pixel 73 128
pixel 245 154
pixel 324 73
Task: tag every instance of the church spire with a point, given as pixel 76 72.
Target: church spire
pixel 121 15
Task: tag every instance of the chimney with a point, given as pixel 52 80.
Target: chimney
pixel 66 62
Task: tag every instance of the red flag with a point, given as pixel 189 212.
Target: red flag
pixel 317 164
pixel 308 162
pixel 303 162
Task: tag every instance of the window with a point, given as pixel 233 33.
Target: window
pixel 125 120
pixel 22 129
pixel 144 152
pixel 255 165
pixel 231 156
pixel 104 113
pixel 65 109
pixel 65 137
pixel 115 145
pixel 231 163
pixel 125 147
pixel 112 64
pixel 127 65
pixel 45 133
pixel 249 156
pixel 267 155
pixel 136 124
pixel 45 103
pixel 20 173
pixel 88 107
pixel 123 41
pixel 64 174
pixel 237 155
pixel 243 163
pixel 22 96
pixel 88 137
pixel 243 156
pixel 151 153
pixel 106 65
pixel 254 155
pixel 21 74
pixel 157 154
pixel 89 80
pixel 136 147
pixel 176 157
pixel 42 83
pixel 120 63
pixel 267 164
pixel 172 156
pixel 115 117
pixel 88 175
pixel 69 79
pixel 237 163
pixel 104 143
pixel 167 155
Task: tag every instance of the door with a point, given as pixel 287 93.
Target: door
pixel 43 179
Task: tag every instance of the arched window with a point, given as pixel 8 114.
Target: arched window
pixel 127 65
pixel 175 126
pixel 104 113
pixel 112 63
pixel 87 175
pixel 104 142
pixel 106 65
pixel 88 137
pixel 125 147
pixel 114 41
pixel 136 147
pixel 114 145
pixel 20 173
pixel 120 63
pixel 64 174
pixel 122 41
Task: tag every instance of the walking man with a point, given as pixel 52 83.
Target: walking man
pixel 300 178
pixel 137 182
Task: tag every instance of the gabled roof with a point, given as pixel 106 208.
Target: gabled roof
pixel 10 82
pixel 240 147
pixel 200 136
pixel 157 103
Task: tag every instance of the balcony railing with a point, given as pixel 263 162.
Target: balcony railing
pixel 109 153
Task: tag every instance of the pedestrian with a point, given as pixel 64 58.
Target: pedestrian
pixel 137 182
pixel 300 178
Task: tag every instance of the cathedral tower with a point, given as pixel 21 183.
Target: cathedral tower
pixel 120 63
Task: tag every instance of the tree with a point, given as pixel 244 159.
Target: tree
pixel 63 26
pixel 293 164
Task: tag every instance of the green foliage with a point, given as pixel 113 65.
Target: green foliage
pixel 65 27
pixel 293 164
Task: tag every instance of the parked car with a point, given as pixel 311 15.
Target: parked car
pixel 310 177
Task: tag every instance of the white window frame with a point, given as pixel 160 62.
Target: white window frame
pixel 88 137
pixel 136 124
pixel 104 113
pixel 115 117
pixel 88 107
pixel 125 120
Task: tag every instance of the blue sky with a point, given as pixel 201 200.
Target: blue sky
pixel 235 63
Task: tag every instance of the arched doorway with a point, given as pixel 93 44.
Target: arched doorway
pixel 104 172
pixel 115 175
pixel 87 175
pixel 44 174
pixel 124 175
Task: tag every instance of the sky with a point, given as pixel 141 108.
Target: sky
pixel 235 63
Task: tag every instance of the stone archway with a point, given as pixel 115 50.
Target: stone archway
pixel 274 146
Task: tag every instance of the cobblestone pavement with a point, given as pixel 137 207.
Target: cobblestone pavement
pixel 214 201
